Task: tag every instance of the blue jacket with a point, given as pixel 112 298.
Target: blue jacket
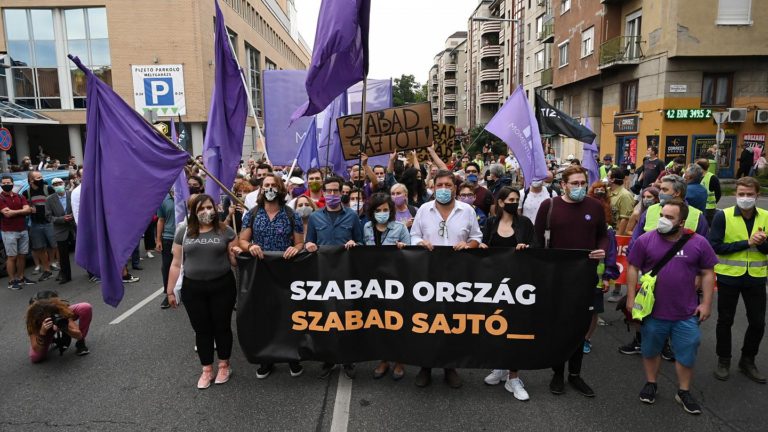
pixel 322 231
pixel 696 196
pixel 396 232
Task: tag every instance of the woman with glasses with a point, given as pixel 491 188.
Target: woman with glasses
pixel 467 196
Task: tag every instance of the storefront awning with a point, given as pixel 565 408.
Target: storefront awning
pixel 11 113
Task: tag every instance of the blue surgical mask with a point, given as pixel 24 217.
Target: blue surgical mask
pixel 443 196
pixel 59 189
pixel 577 193
pixel 663 198
pixel 472 178
pixel 381 217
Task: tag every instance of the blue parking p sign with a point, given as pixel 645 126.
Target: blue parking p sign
pixel 158 91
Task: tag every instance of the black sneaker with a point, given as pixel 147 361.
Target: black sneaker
pixel 557 385
pixel 666 352
pixel 45 276
pixel 326 370
pixel 684 398
pixel 165 304
pixel 580 386
pixel 296 369
pixel 648 393
pixel 130 278
pixel 349 370
pixel 26 281
pixel 81 348
pixel 264 371
pixel 630 348
pixel 14 285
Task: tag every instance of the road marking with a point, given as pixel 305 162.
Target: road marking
pixel 340 419
pixel 140 305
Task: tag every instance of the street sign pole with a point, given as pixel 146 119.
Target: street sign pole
pixel 4 155
pixel 719 117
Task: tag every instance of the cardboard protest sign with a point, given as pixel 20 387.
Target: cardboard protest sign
pixel 444 136
pixel 403 128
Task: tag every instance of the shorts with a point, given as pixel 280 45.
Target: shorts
pixel 41 236
pixel 16 243
pixel 597 302
pixel 685 335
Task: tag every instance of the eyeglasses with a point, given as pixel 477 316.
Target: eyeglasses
pixel 577 184
pixel 443 230
pixel 467 195
pixel 332 191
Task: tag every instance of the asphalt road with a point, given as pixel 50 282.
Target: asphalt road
pixel 141 375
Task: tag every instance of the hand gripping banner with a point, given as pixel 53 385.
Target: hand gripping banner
pixel 493 308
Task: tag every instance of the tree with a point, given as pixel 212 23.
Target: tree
pixel 480 137
pixel 406 91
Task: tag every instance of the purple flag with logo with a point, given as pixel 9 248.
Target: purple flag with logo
pixel 588 158
pixel 129 168
pixel 223 145
pixel 307 157
pixel 180 188
pixel 284 92
pixel 340 53
pixel 515 124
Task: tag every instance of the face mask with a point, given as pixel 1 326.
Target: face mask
pixel 39 183
pixel 443 196
pixel 345 199
pixel 599 193
pixel 577 194
pixel 380 179
pixel 467 200
pixel 332 201
pixel 472 178
pixel 359 184
pixel 315 186
pixel 205 216
pixel 356 206
pixel 304 212
pixel 270 194
pixel 7 188
pixel 194 190
pixel 59 189
pixel 745 203
pixel 381 217
pixel 259 182
pixel 511 208
pixel 400 200
pixel 537 184
pixel 647 202
pixel 666 227
pixel 663 198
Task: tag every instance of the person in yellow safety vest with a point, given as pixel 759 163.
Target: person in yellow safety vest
pixel 711 158
pixel 738 236
pixel 607 166
pixel 712 184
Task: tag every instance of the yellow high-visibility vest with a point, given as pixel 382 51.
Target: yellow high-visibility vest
pixel 747 260
pixel 653 214
pixel 711 202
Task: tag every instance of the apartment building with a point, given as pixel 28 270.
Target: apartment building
pixel 113 36
pixel 448 83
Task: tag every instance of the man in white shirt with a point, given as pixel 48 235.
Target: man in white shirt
pixel 261 171
pixel 531 199
pixel 75 196
pixel 445 222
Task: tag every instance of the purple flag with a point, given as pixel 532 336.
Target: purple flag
pixel 588 158
pixel 340 54
pixel 129 169
pixel 307 157
pixel 378 96
pixel 223 145
pixel 515 124
pixel 180 189
pixel 330 152
pixel 284 92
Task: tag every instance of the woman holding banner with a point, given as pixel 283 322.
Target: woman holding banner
pixel 508 229
pixel 272 226
pixel 383 230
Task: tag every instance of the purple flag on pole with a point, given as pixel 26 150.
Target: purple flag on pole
pixel 223 145
pixel 588 158
pixel 515 124
pixel 180 188
pixel 330 152
pixel 340 54
pixel 307 157
pixel 284 92
pixel 129 169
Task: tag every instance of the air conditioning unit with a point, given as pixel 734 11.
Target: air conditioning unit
pixel 761 116
pixel 737 115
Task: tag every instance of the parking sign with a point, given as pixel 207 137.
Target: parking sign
pixel 159 88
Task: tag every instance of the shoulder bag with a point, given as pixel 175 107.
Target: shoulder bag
pixel 645 298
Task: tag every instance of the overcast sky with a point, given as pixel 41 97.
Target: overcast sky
pixel 405 35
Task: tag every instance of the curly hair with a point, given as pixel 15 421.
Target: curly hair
pixel 605 200
pixel 39 310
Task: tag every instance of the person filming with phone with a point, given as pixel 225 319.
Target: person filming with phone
pixel 52 321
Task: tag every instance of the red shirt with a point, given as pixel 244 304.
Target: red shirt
pixel 320 203
pixel 12 201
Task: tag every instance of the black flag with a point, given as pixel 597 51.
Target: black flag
pixel 553 121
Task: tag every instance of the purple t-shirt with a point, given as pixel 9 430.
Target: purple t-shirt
pixel 675 290
pixel 403 216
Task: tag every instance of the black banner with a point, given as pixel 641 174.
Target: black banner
pixel 493 308
pixel 553 121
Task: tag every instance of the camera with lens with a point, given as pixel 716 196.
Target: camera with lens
pixel 59 321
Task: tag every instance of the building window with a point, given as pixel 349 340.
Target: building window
pixel 565 6
pixel 539 26
pixel 734 12
pixel 633 33
pixel 254 77
pixel 269 65
pixel 87 38
pixel 527 66
pixel 563 50
pixel 716 90
pixel 539 60
pixel 588 41
pixel 559 104
pixel 629 96
pixel 529 32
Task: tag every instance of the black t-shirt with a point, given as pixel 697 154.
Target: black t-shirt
pixel 651 171
pixel 36 198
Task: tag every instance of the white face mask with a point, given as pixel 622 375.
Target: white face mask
pixel 356 205
pixel 270 194
pixel 745 203
pixel 665 225
pixel 304 211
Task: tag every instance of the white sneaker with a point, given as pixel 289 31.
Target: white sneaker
pixel 515 386
pixel 149 255
pixel 36 270
pixel 496 376
pixel 55 266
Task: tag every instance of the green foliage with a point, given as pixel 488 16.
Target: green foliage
pixel 405 90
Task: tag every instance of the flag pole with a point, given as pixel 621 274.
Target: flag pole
pixel 362 127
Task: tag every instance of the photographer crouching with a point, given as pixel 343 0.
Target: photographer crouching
pixel 52 321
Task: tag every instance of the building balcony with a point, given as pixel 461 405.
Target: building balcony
pixel 489 75
pixel 449 97
pixel 449 112
pixel 546 77
pixel 502 32
pixel 450 67
pixel 449 83
pixel 490 51
pixel 622 50
pixel 547 34
pixel 490 27
pixel 489 97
